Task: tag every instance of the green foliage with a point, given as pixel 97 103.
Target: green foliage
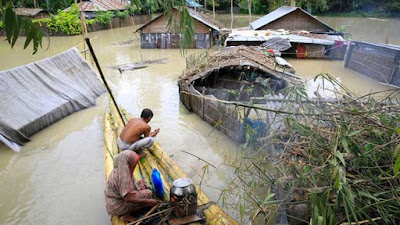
pixel 342 29
pixel 259 7
pixel 66 21
pixel 123 15
pixel 134 10
pixel 90 22
pixel 14 24
pixel 313 5
pixel 104 17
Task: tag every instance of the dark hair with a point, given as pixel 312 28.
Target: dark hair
pixel 146 113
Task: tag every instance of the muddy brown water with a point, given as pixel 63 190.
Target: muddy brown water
pixel 58 178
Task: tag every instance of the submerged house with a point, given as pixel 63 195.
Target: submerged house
pixel 216 88
pixel 378 61
pixel 32 13
pixel 156 33
pixel 290 18
pixel 90 7
pixel 302 44
pixel 308 36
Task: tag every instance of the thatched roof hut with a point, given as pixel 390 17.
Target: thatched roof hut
pixel 213 85
pixel 251 56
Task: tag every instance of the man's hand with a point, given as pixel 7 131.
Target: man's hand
pixel 154 133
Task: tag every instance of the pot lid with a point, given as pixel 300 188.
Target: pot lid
pixel 182 182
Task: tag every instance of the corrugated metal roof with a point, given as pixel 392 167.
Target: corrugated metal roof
pixel 205 19
pixel 291 37
pixel 278 13
pixel 196 15
pixel 192 3
pixel 101 5
pixel 27 11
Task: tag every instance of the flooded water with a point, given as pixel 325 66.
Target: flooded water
pixel 58 178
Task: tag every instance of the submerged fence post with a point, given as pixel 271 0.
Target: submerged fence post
pixel 104 80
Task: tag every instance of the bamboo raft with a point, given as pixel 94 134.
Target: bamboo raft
pixel 156 158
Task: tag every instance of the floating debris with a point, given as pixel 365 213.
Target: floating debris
pixel 138 65
pixel 128 66
pixel 127 42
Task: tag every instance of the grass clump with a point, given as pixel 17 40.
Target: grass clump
pixel 334 160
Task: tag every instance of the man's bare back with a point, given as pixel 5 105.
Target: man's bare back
pixel 135 128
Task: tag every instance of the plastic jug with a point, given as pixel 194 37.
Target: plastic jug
pixel 157 183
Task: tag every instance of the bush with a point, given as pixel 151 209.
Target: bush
pixel 123 14
pixel 90 21
pixel 67 21
pixel 104 17
pixel 133 10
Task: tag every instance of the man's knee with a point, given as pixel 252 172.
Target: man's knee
pixel 149 142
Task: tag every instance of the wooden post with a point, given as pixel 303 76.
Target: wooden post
pixel 396 67
pixel 231 14
pixel 250 1
pixel 349 53
pixel 214 8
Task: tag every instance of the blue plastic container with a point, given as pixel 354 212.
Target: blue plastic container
pixel 157 183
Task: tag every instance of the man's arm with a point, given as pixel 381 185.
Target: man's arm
pixel 154 133
pixel 147 130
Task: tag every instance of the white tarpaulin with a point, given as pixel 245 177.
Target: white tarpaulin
pixel 38 94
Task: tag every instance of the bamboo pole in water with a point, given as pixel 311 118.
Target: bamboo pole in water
pixel 102 77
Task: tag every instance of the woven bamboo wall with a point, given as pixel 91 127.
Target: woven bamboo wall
pixel 378 63
pixel 225 119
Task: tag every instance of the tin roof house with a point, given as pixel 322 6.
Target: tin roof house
pixel 156 33
pixel 290 18
pixel 308 36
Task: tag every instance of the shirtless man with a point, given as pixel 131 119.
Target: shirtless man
pixel 131 136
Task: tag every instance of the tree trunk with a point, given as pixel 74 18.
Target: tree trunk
pixel 250 1
pixel 214 8
pixel 205 4
pixel 293 3
pixel 231 14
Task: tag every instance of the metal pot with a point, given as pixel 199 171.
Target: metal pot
pixel 183 194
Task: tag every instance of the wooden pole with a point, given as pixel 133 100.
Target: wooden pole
pixel 231 14
pixel 102 77
pixel 250 11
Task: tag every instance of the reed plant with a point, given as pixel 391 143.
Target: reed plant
pixel 331 161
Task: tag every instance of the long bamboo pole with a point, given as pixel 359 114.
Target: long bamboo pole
pixel 103 78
